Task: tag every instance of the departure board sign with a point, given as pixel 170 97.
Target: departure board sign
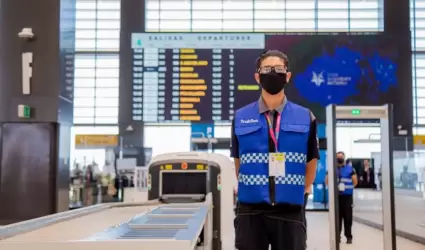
pixel 189 77
pixel 202 77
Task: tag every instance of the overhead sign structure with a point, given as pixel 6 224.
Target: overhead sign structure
pixel 96 141
pixel 384 114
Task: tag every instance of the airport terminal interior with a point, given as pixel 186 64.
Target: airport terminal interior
pixel 115 118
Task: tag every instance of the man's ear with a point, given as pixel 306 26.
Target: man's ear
pixel 257 77
pixel 288 76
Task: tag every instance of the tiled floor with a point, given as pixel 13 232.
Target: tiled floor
pixel 365 238
pixel 409 210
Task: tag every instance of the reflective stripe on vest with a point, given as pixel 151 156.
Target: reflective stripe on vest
pixel 346 178
pixel 292 179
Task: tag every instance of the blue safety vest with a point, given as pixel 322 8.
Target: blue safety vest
pixel 345 176
pixel 252 131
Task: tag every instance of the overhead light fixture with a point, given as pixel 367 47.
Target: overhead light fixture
pixel 370 139
pixel 367 141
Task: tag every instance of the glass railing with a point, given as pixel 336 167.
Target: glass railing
pixel 409 194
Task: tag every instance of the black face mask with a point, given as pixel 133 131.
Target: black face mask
pixel 273 82
pixel 340 160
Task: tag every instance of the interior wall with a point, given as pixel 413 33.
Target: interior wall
pixel 347 135
pixel 223 131
pixel 167 139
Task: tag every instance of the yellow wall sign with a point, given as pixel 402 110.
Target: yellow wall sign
pixel 419 139
pixel 96 140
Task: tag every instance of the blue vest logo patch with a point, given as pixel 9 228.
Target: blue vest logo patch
pixel 249 121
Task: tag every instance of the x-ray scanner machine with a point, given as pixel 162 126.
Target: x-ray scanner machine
pixel 385 115
pixel 191 208
pixel 189 177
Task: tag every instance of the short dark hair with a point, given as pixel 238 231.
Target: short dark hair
pixel 270 53
pixel 340 152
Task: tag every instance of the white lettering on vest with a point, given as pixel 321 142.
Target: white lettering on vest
pixel 249 121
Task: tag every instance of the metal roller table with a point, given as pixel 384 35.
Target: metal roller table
pixel 150 225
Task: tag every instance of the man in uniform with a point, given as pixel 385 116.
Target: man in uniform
pixel 347 180
pixel 275 150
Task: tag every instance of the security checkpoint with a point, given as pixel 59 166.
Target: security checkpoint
pixel 384 115
pixel 190 207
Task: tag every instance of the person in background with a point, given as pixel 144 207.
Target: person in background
pixel 347 180
pixel 405 177
pixel 89 183
pixel 366 171
pixel 380 177
pixel 367 175
pixel 274 146
pixel 423 181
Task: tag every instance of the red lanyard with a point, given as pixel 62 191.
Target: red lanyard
pixel 274 135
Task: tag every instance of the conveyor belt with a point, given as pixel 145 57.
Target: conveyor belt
pixel 171 222
pixel 81 227
pixel 115 226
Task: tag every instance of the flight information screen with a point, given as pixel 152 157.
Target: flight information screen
pixel 202 77
pixel 193 77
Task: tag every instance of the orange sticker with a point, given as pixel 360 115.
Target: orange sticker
pixel 184 165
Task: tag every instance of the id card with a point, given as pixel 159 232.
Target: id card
pixel 277 164
pixel 341 187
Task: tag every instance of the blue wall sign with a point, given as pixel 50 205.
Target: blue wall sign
pixel 199 130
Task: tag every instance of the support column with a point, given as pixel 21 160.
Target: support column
pixel 35 148
pixel 132 20
pixel 397 25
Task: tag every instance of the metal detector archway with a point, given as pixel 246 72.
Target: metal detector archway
pixel 385 115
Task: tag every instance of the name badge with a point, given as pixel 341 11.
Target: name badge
pixel 341 187
pixel 277 164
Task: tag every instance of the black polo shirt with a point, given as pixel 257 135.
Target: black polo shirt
pixel 312 152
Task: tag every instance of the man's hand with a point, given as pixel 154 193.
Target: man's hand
pixel 307 190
